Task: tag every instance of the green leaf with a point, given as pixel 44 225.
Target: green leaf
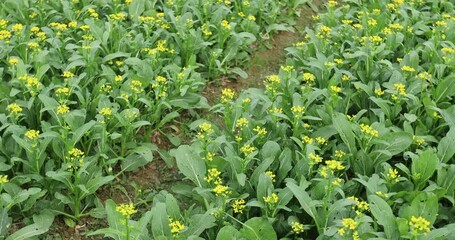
pixel 444 89
pixel 344 129
pixel 423 167
pixel 239 72
pixel 41 226
pixel 136 8
pixel 5 222
pixel 394 143
pixel 446 148
pixel 77 135
pixel 307 204
pixel 160 221
pixel 384 216
pixel 191 165
pixel 228 233
pixel 198 223
pixel 258 229
pixel 172 206
pixel 93 184
pixel 425 204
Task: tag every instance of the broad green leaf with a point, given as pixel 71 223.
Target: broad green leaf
pixel 425 204
pixel 136 8
pixel 258 229
pixel 228 233
pixel 423 168
pixel 344 129
pixel 307 204
pixel 444 89
pixel 160 221
pixel 191 165
pixel 5 222
pixel 394 143
pixel 41 226
pixel 446 148
pixel 93 184
pixel 172 206
pixel 198 223
pixel 77 135
pixel 384 216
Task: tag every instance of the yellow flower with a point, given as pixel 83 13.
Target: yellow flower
pixel 106 111
pixel 126 209
pixel 33 45
pixel 379 92
pixel 339 154
pixel 419 141
pixel 298 111
pixel 400 88
pixel 17 27
pixel 176 226
pixel 324 32
pixel 334 165
pixel 241 122
pixel 63 91
pixel 3 23
pixel 205 129
pixel 335 89
pixel 225 24
pixel 349 223
pixel 368 130
pixel 274 79
pixel 221 190
pixel 337 182
pixel 260 131
pixel 425 76
pixel 62 109
pixel 72 24
pixel 206 30
pixel 309 77
pixel 332 3
pixel 67 74
pixel 226 95
pixel 117 16
pixel 13 61
pixel 251 18
pixel 247 149
pixel 128 1
pixel 393 175
pixel 271 175
pixel 338 61
pixel 14 108
pixel 3 179
pixel 288 68
pixel 307 139
pixel 408 69
pixel 238 205
pixel 75 152
pixel 345 77
pixel 297 227
pixel 314 158
pixel 381 194
pixel 213 176
pixel 372 22
pixel 161 80
pixel 271 200
pixel 136 86
pixel 419 225
pixel 32 134
pixel 5 34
